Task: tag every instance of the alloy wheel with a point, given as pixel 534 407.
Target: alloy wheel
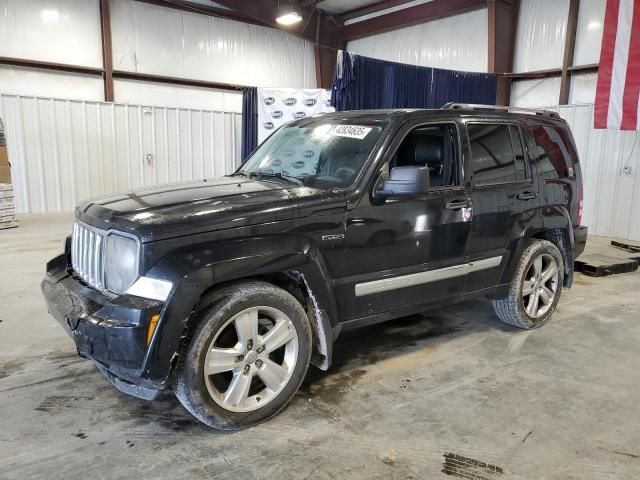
pixel 251 359
pixel 540 285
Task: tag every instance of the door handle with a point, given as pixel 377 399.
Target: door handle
pixel 527 196
pixel 458 204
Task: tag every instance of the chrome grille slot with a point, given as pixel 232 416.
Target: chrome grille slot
pixel 87 245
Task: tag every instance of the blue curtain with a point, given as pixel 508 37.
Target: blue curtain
pixel 367 83
pixel 249 121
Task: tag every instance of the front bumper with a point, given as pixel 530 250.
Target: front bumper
pixel 112 331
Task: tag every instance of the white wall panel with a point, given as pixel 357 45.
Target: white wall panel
pixel 542 28
pixel 458 43
pixel 583 88
pixel 62 151
pixel 611 198
pixel 164 41
pixel 535 92
pixel 589 32
pixel 60 31
pixel 49 83
pixel 176 96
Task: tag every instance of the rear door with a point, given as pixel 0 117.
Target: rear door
pixel 505 197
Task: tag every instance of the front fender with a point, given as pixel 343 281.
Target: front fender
pixel 195 269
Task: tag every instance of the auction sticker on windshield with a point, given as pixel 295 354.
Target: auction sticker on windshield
pixel 351 131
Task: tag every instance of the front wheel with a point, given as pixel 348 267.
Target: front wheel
pixel 535 289
pixel 246 358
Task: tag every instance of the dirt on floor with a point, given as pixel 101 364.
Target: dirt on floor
pixel 451 393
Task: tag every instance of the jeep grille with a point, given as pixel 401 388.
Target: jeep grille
pixel 87 246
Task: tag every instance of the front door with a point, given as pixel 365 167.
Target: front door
pixel 404 252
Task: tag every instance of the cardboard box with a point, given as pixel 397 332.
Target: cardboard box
pixel 5 174
pixel 4 157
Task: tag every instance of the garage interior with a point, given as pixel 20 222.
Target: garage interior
pixel 102 96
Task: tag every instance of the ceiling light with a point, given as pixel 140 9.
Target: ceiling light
pixel 49 16
pixel 288 14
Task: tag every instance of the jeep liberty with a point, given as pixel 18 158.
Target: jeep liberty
pixel 226 290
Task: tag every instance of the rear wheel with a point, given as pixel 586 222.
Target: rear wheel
pixel 246 358
pixel 535 289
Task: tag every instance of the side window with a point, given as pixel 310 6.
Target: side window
pixel 433 146
pixel 494 158
pixel 553 153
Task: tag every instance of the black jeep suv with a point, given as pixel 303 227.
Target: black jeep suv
pixel 224 290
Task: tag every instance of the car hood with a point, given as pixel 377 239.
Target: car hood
pixel 173 210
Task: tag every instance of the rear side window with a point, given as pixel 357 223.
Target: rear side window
pixel 497 153
pixel 553 152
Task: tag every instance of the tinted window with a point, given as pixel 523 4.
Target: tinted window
pixel 493 157
pixel 433 147
pixel 318 152
pixel 553 151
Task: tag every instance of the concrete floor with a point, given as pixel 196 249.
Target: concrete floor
pixel 561 402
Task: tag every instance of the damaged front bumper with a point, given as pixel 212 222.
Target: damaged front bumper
pixel 112 331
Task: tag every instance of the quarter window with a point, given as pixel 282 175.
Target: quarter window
pixel 494 158
pixel 553 152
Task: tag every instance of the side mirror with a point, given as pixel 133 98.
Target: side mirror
pixel 405 182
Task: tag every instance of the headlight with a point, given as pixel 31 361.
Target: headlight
pixel 120 263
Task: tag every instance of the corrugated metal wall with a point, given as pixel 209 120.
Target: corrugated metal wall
pixel 611 196
pixel 62 151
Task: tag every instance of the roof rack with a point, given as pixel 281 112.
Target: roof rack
pixel 477 107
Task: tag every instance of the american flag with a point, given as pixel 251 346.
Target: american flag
pixel 618 87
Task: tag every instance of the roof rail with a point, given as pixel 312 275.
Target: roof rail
pixel 477 107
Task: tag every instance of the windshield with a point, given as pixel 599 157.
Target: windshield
pixel 321 153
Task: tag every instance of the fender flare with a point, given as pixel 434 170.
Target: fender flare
pixel 196 269
pixel 558 230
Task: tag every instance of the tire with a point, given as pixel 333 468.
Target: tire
pixel 228 335
pixel 519 308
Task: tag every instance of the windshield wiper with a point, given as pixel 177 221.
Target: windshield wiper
pixel 289 178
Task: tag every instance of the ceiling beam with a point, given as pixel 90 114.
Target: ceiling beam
pixel 502 16
pixel 369 9
pixel 569 49
pixel 148 77
pixel 61 67
pixel 328 41
pixel 193 7
pixel 107 51
pixel 549 72
pixel 410 16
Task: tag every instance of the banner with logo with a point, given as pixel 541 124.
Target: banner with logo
pixel 277 106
